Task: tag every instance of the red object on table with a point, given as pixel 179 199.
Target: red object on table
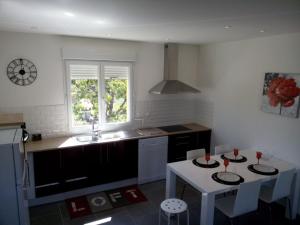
pixel 235 152
pixel 207 157
pixel 258 156
pixel 226 163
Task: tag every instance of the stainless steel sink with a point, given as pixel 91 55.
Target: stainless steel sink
pixel 112 135
pixel 87 138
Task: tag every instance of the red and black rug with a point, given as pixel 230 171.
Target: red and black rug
pixel 85 205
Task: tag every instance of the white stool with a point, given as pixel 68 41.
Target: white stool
pixel 174 206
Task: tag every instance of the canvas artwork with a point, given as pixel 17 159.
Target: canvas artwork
pixel 281 94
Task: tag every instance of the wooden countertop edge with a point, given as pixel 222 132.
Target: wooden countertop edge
pixel 11 124
pixel 68 141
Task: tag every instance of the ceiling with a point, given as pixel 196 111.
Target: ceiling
pixel 183 21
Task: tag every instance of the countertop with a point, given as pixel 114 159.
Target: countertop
pixel 70 141
pixel 10 119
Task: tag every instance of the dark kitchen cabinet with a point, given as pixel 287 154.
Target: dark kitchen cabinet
pixel 47 171
pixel 92 153
pixel 112 161
pixel 179 144
pixel 74 168
pixel 97 169
pixel 130 162
pixel 123 160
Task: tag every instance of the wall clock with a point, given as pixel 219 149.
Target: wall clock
pixel 21 72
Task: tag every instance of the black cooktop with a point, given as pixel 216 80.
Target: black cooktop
pixel 174 128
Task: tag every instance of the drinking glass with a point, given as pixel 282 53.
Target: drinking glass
pixel 235 152
pixel 258 156
pixel 207 157
pixel 226 163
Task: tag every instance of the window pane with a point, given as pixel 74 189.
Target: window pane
pixel 116 92
pixel 84 94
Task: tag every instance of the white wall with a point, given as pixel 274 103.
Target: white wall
pixel 232 75
pixel 44 52
pixel 231 79
pixel 44 104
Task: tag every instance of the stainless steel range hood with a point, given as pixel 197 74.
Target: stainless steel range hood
pixel 171 84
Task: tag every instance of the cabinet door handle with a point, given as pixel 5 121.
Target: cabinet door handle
pixel 47 185
pixel 75 179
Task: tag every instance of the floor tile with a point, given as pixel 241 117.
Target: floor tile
pixel 44 210
pixel 141 209
pixel 119 217
pixel 49 219
pixel 148 219
pixel 80 220
pixel 156 196
pixel 146 213
pixel 152 186
pixel 63 210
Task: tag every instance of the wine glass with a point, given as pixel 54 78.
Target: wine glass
pixel 226 163
pixel 258 156
pixel 235 152
pixel 207 157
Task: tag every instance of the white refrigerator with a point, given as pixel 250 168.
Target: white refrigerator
pixel 13 206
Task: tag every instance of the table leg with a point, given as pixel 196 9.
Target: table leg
pixel 294 197
pixel 207 209
pixel 170 184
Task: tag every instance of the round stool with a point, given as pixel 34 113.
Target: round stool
pixel 173 206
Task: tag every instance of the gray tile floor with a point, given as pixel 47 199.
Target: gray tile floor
pixel 146 213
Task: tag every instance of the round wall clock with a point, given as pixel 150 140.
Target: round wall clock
pixel 21 72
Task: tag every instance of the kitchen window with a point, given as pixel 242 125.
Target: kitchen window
pixel 100 93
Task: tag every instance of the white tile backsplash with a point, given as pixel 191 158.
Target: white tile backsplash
pixel 167 112
pixel 52 121
pixel 48 120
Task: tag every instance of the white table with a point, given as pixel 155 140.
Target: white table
pixel 200 179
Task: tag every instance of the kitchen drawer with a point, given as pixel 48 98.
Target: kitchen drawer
pixel 96 156
pixel 47 166
pixel 47 173
pixel 74 168
pixel 179 144
pixel 122 160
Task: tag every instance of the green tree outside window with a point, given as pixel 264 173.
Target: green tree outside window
pixel 85 105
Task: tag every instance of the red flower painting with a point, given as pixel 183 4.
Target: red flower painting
pixel 281 94
pixel 283 91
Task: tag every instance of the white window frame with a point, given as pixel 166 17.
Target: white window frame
pixel 101 125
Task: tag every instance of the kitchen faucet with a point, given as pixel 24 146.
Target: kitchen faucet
pixel 95 133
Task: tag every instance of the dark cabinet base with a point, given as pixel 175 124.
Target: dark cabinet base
pixel 47 172
pixel 68 169
pixel 179 144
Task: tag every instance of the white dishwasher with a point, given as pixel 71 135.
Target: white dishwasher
pixel 153 154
